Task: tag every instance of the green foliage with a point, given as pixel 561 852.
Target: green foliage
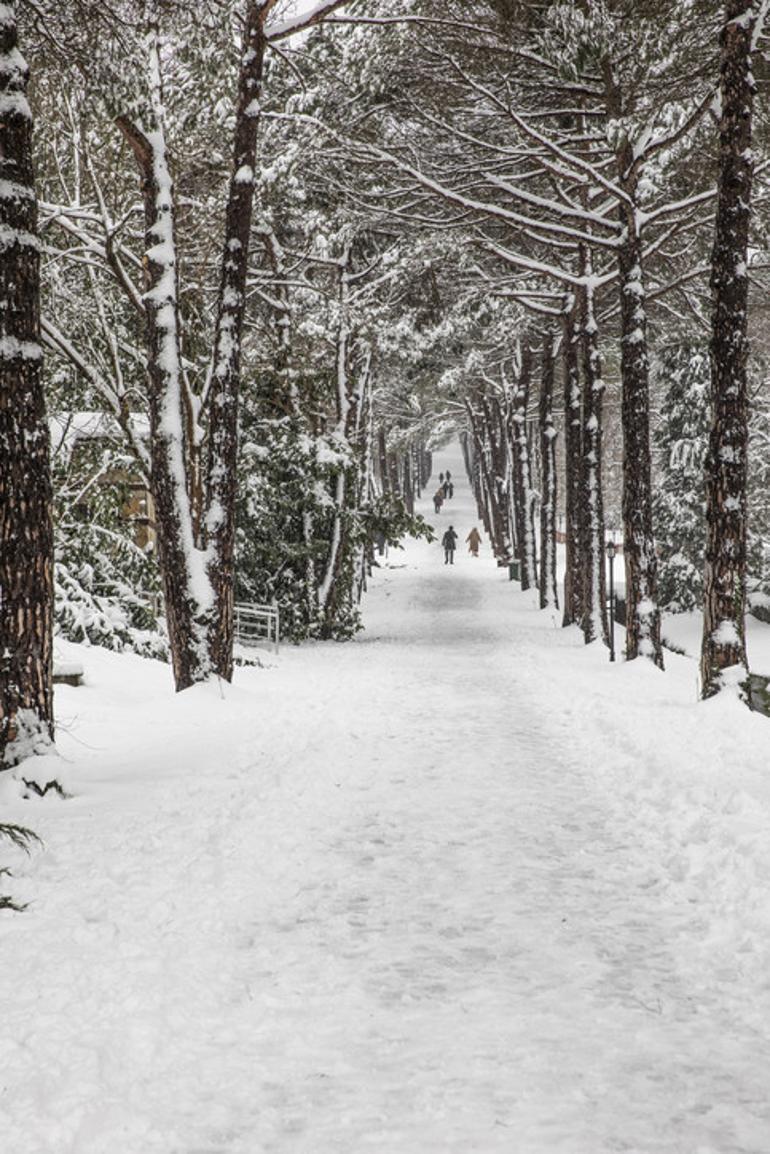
pixel 23 839
pixel 277 548
pixel 105 583
pixel 387 520
pixel 285 525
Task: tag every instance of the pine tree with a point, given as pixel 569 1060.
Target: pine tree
pixel 724 595
pixel 681 441
pixel 26 536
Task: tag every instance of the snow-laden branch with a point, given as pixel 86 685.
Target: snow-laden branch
pixel 301 20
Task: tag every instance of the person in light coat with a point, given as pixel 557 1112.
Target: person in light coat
pixel 474 539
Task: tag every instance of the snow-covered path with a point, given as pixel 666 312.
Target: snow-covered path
pixel 456 886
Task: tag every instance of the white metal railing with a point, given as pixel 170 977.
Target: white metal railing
pixel 256 625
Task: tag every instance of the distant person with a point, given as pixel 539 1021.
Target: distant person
pixel 441 478
pixel 445 489
pixel 449 541
pixel 474 539
pixel 448 475
pixel 451 492
pixel 438 500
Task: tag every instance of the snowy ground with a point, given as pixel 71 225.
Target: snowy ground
pixel 460 885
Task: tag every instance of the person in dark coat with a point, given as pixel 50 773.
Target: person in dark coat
pixel 445 489
pixel 438 499
pixel 441 478
pixel 451 492
pixel 449 541
pixel 474 540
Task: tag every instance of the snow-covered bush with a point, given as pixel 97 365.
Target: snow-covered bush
pixel 96 606
pixel 106 585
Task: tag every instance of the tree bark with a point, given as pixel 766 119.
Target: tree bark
pixel 549 597
pixel 226 372
pixel 498 475
pixel 724 642
pixel 524 502
pixel 197 574
pixel 573 453
pixel 382 459
pixel 187 593
pixel 593 583
pixel 642 612
pixel 492 515
pixel 26 533
pixel 348 397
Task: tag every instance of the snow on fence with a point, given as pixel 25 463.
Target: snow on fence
pixel 257 625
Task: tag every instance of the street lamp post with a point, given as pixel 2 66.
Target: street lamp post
pixel 611 551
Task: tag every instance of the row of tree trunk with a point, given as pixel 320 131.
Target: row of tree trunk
pixel 195 506
pixel 511 459
pixel 502 489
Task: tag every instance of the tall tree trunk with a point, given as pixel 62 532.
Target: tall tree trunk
pixel 573 453
pixel 382 457
pixel 642 612
pixel 348 398
pixel 549 597
pixel 724 643
pixel 26 533
pixel 524 498
pixel 408 488
pixel 187 592
pixel 594 614
pixel 498 474
pixel 197 575
pixel 224 396
pixel 473 468
pixel 492 514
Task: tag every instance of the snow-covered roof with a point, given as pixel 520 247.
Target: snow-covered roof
pixel 67 429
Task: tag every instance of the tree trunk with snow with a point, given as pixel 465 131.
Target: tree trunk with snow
pixel 382 461
pixel 226 361
pixel 549 597
pixel 593 584
pixel 524 498
pixel 187 592
pixel 498 476
pixel 473 469
pixel 724 645
pixel 642 612
pixel 573 454
pixel 197 553
pixel 408 485
pixel 26 533
pixel 352 385
pixel 493 515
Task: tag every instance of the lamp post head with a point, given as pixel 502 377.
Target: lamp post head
pixel 611 549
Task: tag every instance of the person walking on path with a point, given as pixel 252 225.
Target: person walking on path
pixel 474 539
pixel 445 489
pixel 438 499
pixel 449 541
pixel 441 478
pixel 451 490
